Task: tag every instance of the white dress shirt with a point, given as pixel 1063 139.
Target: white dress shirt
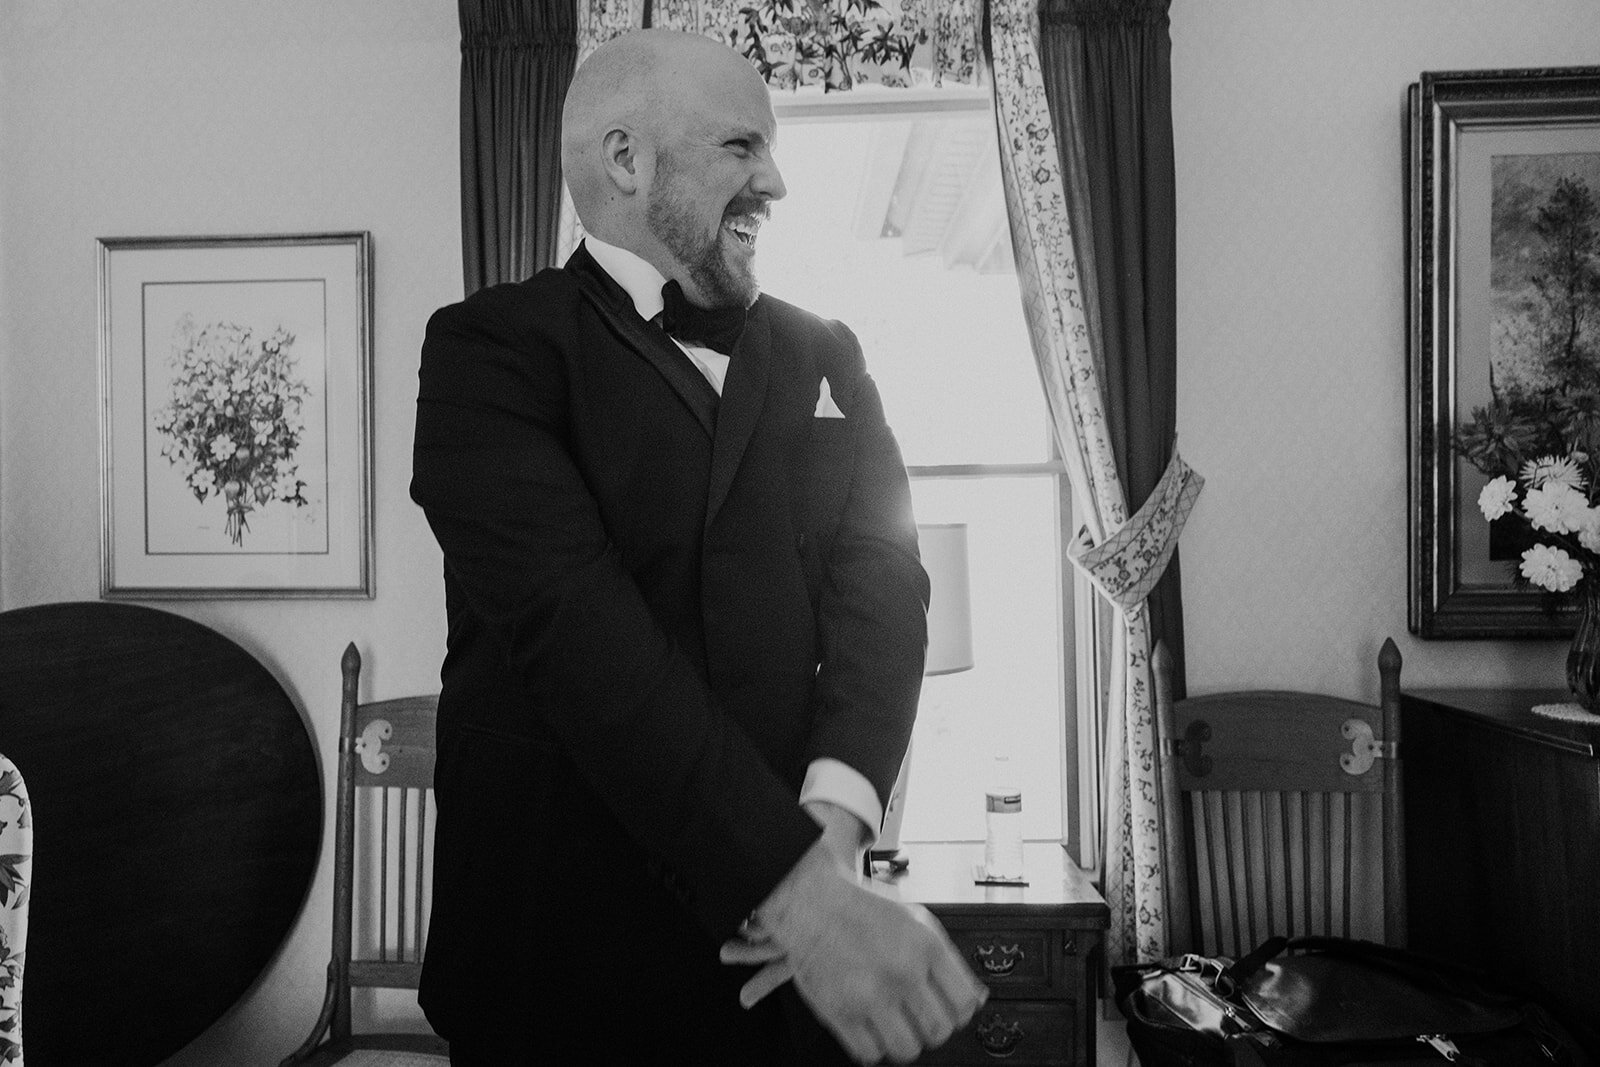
pixel 828 780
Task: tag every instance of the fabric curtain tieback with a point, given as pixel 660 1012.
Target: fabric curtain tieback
pixel 1128 564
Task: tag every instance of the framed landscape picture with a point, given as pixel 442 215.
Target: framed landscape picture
pixel 1503 206
pixel 235 377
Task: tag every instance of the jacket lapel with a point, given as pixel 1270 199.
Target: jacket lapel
pixel 744 394
pixel 616 308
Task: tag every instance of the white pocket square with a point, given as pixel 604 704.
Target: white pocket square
pixel 826 408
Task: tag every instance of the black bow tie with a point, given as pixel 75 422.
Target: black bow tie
pixel 715 328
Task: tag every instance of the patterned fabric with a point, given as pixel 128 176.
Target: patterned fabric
pixel 1047 272
pixel 953 29
pixel 839 44
pixel 1126 566
pixel 601 20
pixel 16 876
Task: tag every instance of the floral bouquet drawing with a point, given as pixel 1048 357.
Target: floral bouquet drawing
pixel 233 422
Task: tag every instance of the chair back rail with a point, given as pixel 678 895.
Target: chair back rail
pixel 1269 799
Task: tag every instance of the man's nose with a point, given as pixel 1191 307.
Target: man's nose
pixel 768 182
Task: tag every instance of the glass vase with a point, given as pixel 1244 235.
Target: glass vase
pixel 1583 658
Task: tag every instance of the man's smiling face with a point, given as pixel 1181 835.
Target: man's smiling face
pixel 714 176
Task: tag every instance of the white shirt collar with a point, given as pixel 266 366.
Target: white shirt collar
pixel 635 274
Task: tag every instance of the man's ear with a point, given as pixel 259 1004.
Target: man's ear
pixel 621 153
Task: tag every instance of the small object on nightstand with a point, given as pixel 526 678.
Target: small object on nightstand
pixel 981 876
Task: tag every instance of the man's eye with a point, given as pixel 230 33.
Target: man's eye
pixel 740 145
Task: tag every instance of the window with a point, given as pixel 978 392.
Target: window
pixel 895 224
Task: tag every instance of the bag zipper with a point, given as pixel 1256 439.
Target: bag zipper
pixel 1215 989
pixel 1442 1045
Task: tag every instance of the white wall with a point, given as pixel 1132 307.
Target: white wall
pixel 167 117
pixel 127 117
pixel 1291 328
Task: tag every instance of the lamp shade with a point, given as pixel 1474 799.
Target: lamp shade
pixel 944 557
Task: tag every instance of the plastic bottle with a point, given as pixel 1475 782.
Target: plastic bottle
pixel 1002 852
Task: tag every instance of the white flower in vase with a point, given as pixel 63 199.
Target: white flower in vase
pixel 1556 507
pixel 1551 568
pixel 1497 498
pixel 1555 470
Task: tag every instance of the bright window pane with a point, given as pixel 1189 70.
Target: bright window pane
pixel 1011 702
pixel 898 229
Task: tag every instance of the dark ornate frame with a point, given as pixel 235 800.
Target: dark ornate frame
pixel 1442 108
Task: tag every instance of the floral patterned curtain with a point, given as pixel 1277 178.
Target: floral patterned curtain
pixel 1122 556
pixel 16 877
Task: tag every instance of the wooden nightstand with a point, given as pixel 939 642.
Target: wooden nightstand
pixel 1036 946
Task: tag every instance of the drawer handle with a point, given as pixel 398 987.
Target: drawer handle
pixel 1000 960
pixel 997 1037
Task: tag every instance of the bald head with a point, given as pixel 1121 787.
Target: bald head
pixel 650 85
pixel 666 146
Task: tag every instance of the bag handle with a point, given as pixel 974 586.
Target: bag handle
pixel 1245 966
pixel 1460 978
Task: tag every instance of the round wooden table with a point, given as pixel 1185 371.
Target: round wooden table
pixel 178 813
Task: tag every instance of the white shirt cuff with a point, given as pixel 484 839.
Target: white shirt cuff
pixel 839 783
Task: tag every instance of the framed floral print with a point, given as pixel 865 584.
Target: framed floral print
pixel 235 378
pixel 1503 212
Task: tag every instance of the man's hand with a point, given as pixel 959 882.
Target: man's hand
pixel 881 975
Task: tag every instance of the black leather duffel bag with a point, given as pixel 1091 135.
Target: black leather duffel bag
pixel 1323 1001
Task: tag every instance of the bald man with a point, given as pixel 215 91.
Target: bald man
pixel 686 625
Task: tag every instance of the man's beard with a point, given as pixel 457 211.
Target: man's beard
pixel 672 219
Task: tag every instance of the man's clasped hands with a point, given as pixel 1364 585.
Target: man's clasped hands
pixel 881 974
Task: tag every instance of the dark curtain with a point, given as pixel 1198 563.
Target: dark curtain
pixel 517 57
pixel 1108 79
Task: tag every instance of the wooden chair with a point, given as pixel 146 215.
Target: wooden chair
pixel 382 846
pixel 1270 804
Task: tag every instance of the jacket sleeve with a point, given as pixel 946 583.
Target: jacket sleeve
pixel 872 612
pixel 524 545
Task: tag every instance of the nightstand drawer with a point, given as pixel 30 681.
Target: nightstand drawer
pixel 1021 1033
pixel 1011 962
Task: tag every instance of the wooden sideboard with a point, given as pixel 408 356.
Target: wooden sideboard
pixel 1037 947
pixel 1502 839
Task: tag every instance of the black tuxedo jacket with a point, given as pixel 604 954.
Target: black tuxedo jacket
pixel 662 607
